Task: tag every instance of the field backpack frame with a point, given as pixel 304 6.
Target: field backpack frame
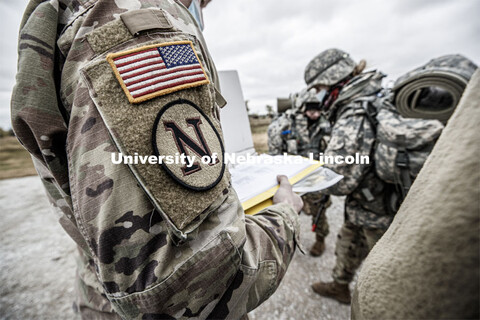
pixel 402 145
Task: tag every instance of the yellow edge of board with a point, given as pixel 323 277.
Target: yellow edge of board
pixel 263 200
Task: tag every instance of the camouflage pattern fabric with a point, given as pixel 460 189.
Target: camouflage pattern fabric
pixel 353 245
pixel 367 85
pixel 329 68
pixel 415 137
pixel 433 90
pixel 293 127
pixel 299 98
pixel 310 207
pixel 366 213
pixel 91 302
pixel 307 140
pixel 134 262
pixel 276 141
pixel 303 97
pixel 352 133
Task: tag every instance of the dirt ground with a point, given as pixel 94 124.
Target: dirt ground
pixel 37 263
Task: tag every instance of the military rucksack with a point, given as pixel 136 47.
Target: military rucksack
pixel 402 144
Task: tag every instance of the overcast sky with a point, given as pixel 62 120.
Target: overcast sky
pixel 270 42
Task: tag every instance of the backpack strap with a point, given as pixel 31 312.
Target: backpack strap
pixel 402 162
pixel 293 126
pixel 370 111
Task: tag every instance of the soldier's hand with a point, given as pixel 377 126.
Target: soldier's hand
pixel 285 194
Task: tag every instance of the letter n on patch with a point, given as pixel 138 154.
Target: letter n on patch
pixel 156 70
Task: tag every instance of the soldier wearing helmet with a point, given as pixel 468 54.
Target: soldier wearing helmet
pixel 341 88
pixel 304 130
pixel 301 130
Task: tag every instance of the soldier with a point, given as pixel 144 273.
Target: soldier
pixel 339 83
pixel 430 258
pixel 303 130
pixel 97 77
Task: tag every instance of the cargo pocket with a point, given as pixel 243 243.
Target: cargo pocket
pixel 157 101
pixel 201 281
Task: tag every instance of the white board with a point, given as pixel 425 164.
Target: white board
pixel 234 117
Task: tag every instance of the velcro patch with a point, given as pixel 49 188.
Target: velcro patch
pixel 183 132
pixel 131 128
pixel 156 70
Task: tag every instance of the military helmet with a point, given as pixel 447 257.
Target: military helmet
pixel 329 68
pixel 306 97
pixel 299 97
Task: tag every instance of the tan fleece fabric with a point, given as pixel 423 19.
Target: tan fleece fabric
pixel 131 127
pixel 427 264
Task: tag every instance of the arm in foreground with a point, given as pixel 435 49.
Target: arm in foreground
pixel 272 236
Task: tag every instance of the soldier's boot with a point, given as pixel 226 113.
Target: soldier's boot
pixel 318 247
pixel 334 290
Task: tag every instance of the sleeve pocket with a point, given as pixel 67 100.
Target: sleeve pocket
pixel 199 280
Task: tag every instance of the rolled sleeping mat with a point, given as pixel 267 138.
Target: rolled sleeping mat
pixel 433 90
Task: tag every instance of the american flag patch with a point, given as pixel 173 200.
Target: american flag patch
pixel 148 72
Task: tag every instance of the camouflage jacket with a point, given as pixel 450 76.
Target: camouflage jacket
pixel 353 133
pixel 155 243
pixel 293 126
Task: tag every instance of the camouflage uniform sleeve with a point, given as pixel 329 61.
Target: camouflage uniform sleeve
pixel 228 263
pixel 271 237
pixel 38 117
pixel 274 133
pixel 352 134
pixel 302 135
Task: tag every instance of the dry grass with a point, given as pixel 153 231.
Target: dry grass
pixel 259 133
pixel 15 161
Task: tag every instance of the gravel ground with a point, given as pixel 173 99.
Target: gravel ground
pixel 38 266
